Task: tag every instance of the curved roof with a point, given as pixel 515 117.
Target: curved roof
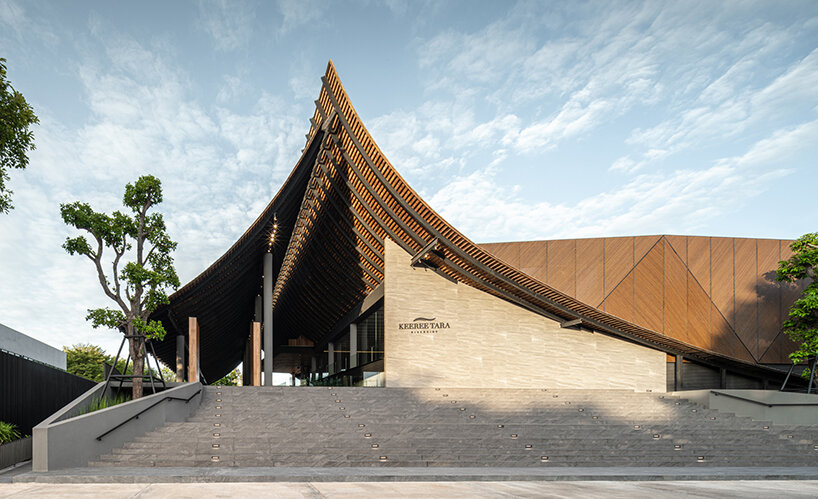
pixel 340 202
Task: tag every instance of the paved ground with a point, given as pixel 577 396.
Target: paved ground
pixel 597 489
pixel 225 474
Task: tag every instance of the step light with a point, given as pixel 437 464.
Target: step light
pixel 678 403
pixel 700 459
pixel 766 427
pixel 789 436
pixel 218 393
pixel 527 446
pixel 677 447
pixel 462 408
pixel 815 447
pixel 215 459
pixel 713 418
pixel 637 427
pixel 694 410
pixel 656 436
pixel 581 410
pixel 375 446
pixel 215 446
pixel 367 435
pixel 341 408
pixel 337 400
pixel 218 415
pixel 217 424
pixel 382 458
pixel 218 400
pixel 513 435
pixel 471 416
pixel 544 459
pixel 595 417
pixel 217 435
pixel 361 425
pixel 500 426
pixel 218 407
pixel 346 415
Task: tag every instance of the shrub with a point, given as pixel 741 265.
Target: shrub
pixel 8 432
pixel 99 403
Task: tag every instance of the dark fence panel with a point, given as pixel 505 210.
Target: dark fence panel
pixel 31 391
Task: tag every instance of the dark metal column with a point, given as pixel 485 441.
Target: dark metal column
pixel 267 305
pixel 677 385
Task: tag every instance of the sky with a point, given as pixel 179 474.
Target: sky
pixel 514 120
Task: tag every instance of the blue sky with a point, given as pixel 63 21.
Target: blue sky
pixel 514 120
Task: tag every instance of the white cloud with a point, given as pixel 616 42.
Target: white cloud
pixel 230 24
pixel 297 13
pixel 655 203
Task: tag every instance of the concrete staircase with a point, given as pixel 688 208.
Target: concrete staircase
pixel 338 426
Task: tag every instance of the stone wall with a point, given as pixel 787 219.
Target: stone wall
pixel 464 337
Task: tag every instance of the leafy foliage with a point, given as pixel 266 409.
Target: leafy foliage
pixel 99 403
pixel 87 361
pixel 230 379
pixel 16 140
pixel 8 432
pixel 139 286
pixel 802 325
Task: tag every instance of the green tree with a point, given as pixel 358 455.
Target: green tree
pixel 87 361
pixel 139 286
pixel 802 326
pixel 230 379
pixel 16 117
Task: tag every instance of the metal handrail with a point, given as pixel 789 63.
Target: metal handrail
pixel 718 394
pixel 136 416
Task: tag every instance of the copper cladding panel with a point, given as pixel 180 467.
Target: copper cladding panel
pixel 675 295
pixel 618 263
pixel 641 246
pixel 723 339
pixel 722 278
pixel 532 259
pixel 679 245
pixel 648 290
pixel 746 311
pixel 769 295
pixel 789 293
pixel 698 260
pixel 698 314
pixel 620 301
pixel 589 271
pixel 562 266
pixel 507 252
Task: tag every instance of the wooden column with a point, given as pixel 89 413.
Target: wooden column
pixel 193 349
pixel 255 353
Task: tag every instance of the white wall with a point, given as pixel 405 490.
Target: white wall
pixel 493 343
pixel 17 342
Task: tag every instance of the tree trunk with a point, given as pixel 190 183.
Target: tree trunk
pixel 135 345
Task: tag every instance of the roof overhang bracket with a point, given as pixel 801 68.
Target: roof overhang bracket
pixel 571 323
pixel 430 249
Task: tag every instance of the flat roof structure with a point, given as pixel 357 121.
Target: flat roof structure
pixel 344 210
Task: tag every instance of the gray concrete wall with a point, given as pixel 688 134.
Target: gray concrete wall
pixel 16 342
pixel 491 343
pixel 787 408
pixel 66 440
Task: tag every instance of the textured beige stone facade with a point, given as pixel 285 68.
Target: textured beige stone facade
pixel 491 343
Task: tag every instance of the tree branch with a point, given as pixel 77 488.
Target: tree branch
pixel 103 280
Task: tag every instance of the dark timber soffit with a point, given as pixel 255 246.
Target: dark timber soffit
pixel 339 204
